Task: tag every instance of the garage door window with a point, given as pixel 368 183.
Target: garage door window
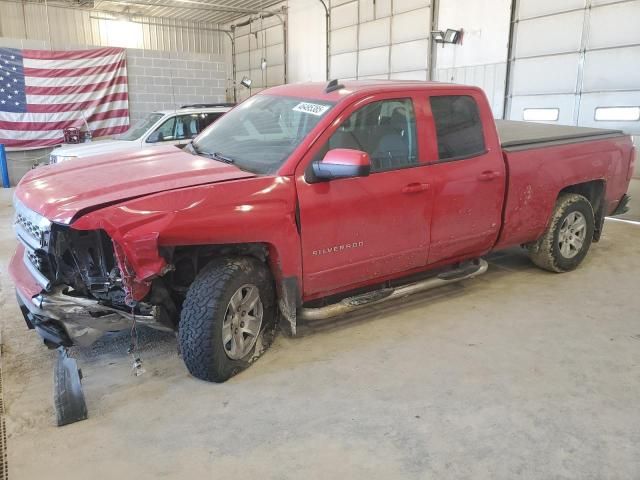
pixel 541 114
pixel 386 130
pixel 617 114
pixel 458 127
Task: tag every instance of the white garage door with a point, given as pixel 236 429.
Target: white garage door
pixel 576 62
pixel 380 39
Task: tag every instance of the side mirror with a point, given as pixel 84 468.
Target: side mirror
pixel 155 137
pixel 342 163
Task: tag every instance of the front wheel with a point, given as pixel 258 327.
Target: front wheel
pixel 568 237
pixel 227 319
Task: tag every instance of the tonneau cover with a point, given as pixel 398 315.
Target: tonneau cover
pixel 517 134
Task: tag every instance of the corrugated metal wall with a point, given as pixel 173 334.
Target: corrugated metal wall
pixel 576 62
pixel 69 27
pixel 381 39
pixel 260 39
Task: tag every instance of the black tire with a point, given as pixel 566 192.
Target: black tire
pixel 546 253
pixel 204 310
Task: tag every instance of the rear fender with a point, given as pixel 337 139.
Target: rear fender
pixel 594 191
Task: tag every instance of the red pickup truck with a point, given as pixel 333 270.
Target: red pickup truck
pixel 304 202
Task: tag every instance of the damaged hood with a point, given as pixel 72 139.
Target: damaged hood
pixel 60 192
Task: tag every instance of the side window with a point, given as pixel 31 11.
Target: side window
pixel 458 126
pixel 164 132
pixel 186 127
pixel 206 119
pixel 386 130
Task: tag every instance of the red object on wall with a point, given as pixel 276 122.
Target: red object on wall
pixel 72 135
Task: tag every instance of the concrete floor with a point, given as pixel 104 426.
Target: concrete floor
pixel 517 374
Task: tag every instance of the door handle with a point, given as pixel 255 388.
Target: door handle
pixel 415 188
pixel 488 175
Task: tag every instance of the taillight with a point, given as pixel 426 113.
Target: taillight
pixel 632 162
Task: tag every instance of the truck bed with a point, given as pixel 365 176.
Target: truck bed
pixel 515 135
pixel 542 160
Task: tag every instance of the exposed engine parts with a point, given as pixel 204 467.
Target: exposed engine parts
pixel 85 292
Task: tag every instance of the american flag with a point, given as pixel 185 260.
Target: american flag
pixel 43 92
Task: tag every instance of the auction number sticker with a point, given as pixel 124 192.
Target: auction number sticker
pixel 312 108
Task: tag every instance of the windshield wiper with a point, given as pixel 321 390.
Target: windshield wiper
pixel 214 156
pixel 222 158
pixel 196 151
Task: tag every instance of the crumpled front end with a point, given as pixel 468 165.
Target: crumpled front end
pixel 69 282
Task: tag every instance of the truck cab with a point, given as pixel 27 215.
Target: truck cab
pixel 422 147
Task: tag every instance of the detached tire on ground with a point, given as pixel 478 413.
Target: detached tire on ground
pixel 568 237
pixel 228 318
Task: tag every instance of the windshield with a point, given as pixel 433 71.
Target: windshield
pixel 140 128
pixel 259 134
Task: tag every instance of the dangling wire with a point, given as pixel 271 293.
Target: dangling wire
pixel 128 277
pixel 133 346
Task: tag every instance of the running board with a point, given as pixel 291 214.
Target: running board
pixel 356 302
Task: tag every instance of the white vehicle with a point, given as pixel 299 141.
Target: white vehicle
pixel 165 127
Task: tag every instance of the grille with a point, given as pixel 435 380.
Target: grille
pixel 33 258
pixel 33 232
pixel 38 260
pixel 34 225
pixel 31 228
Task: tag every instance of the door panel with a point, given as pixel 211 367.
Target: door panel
pixel 356 230
pixel 468 196
pixel 468 179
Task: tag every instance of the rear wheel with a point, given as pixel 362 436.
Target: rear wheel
pixel 227 319
pixel 568 237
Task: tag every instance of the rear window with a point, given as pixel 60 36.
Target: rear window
pixel 458 127
pixel 207 119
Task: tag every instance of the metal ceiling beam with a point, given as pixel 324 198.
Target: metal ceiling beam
pixel 211 12
pixel 217 6
pixel 67 6
pixel 188 5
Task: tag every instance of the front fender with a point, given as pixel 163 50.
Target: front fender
pixel 252 210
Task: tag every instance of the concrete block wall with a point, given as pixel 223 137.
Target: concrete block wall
pixel 158 80
pixel 20 162
pixel 168 80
